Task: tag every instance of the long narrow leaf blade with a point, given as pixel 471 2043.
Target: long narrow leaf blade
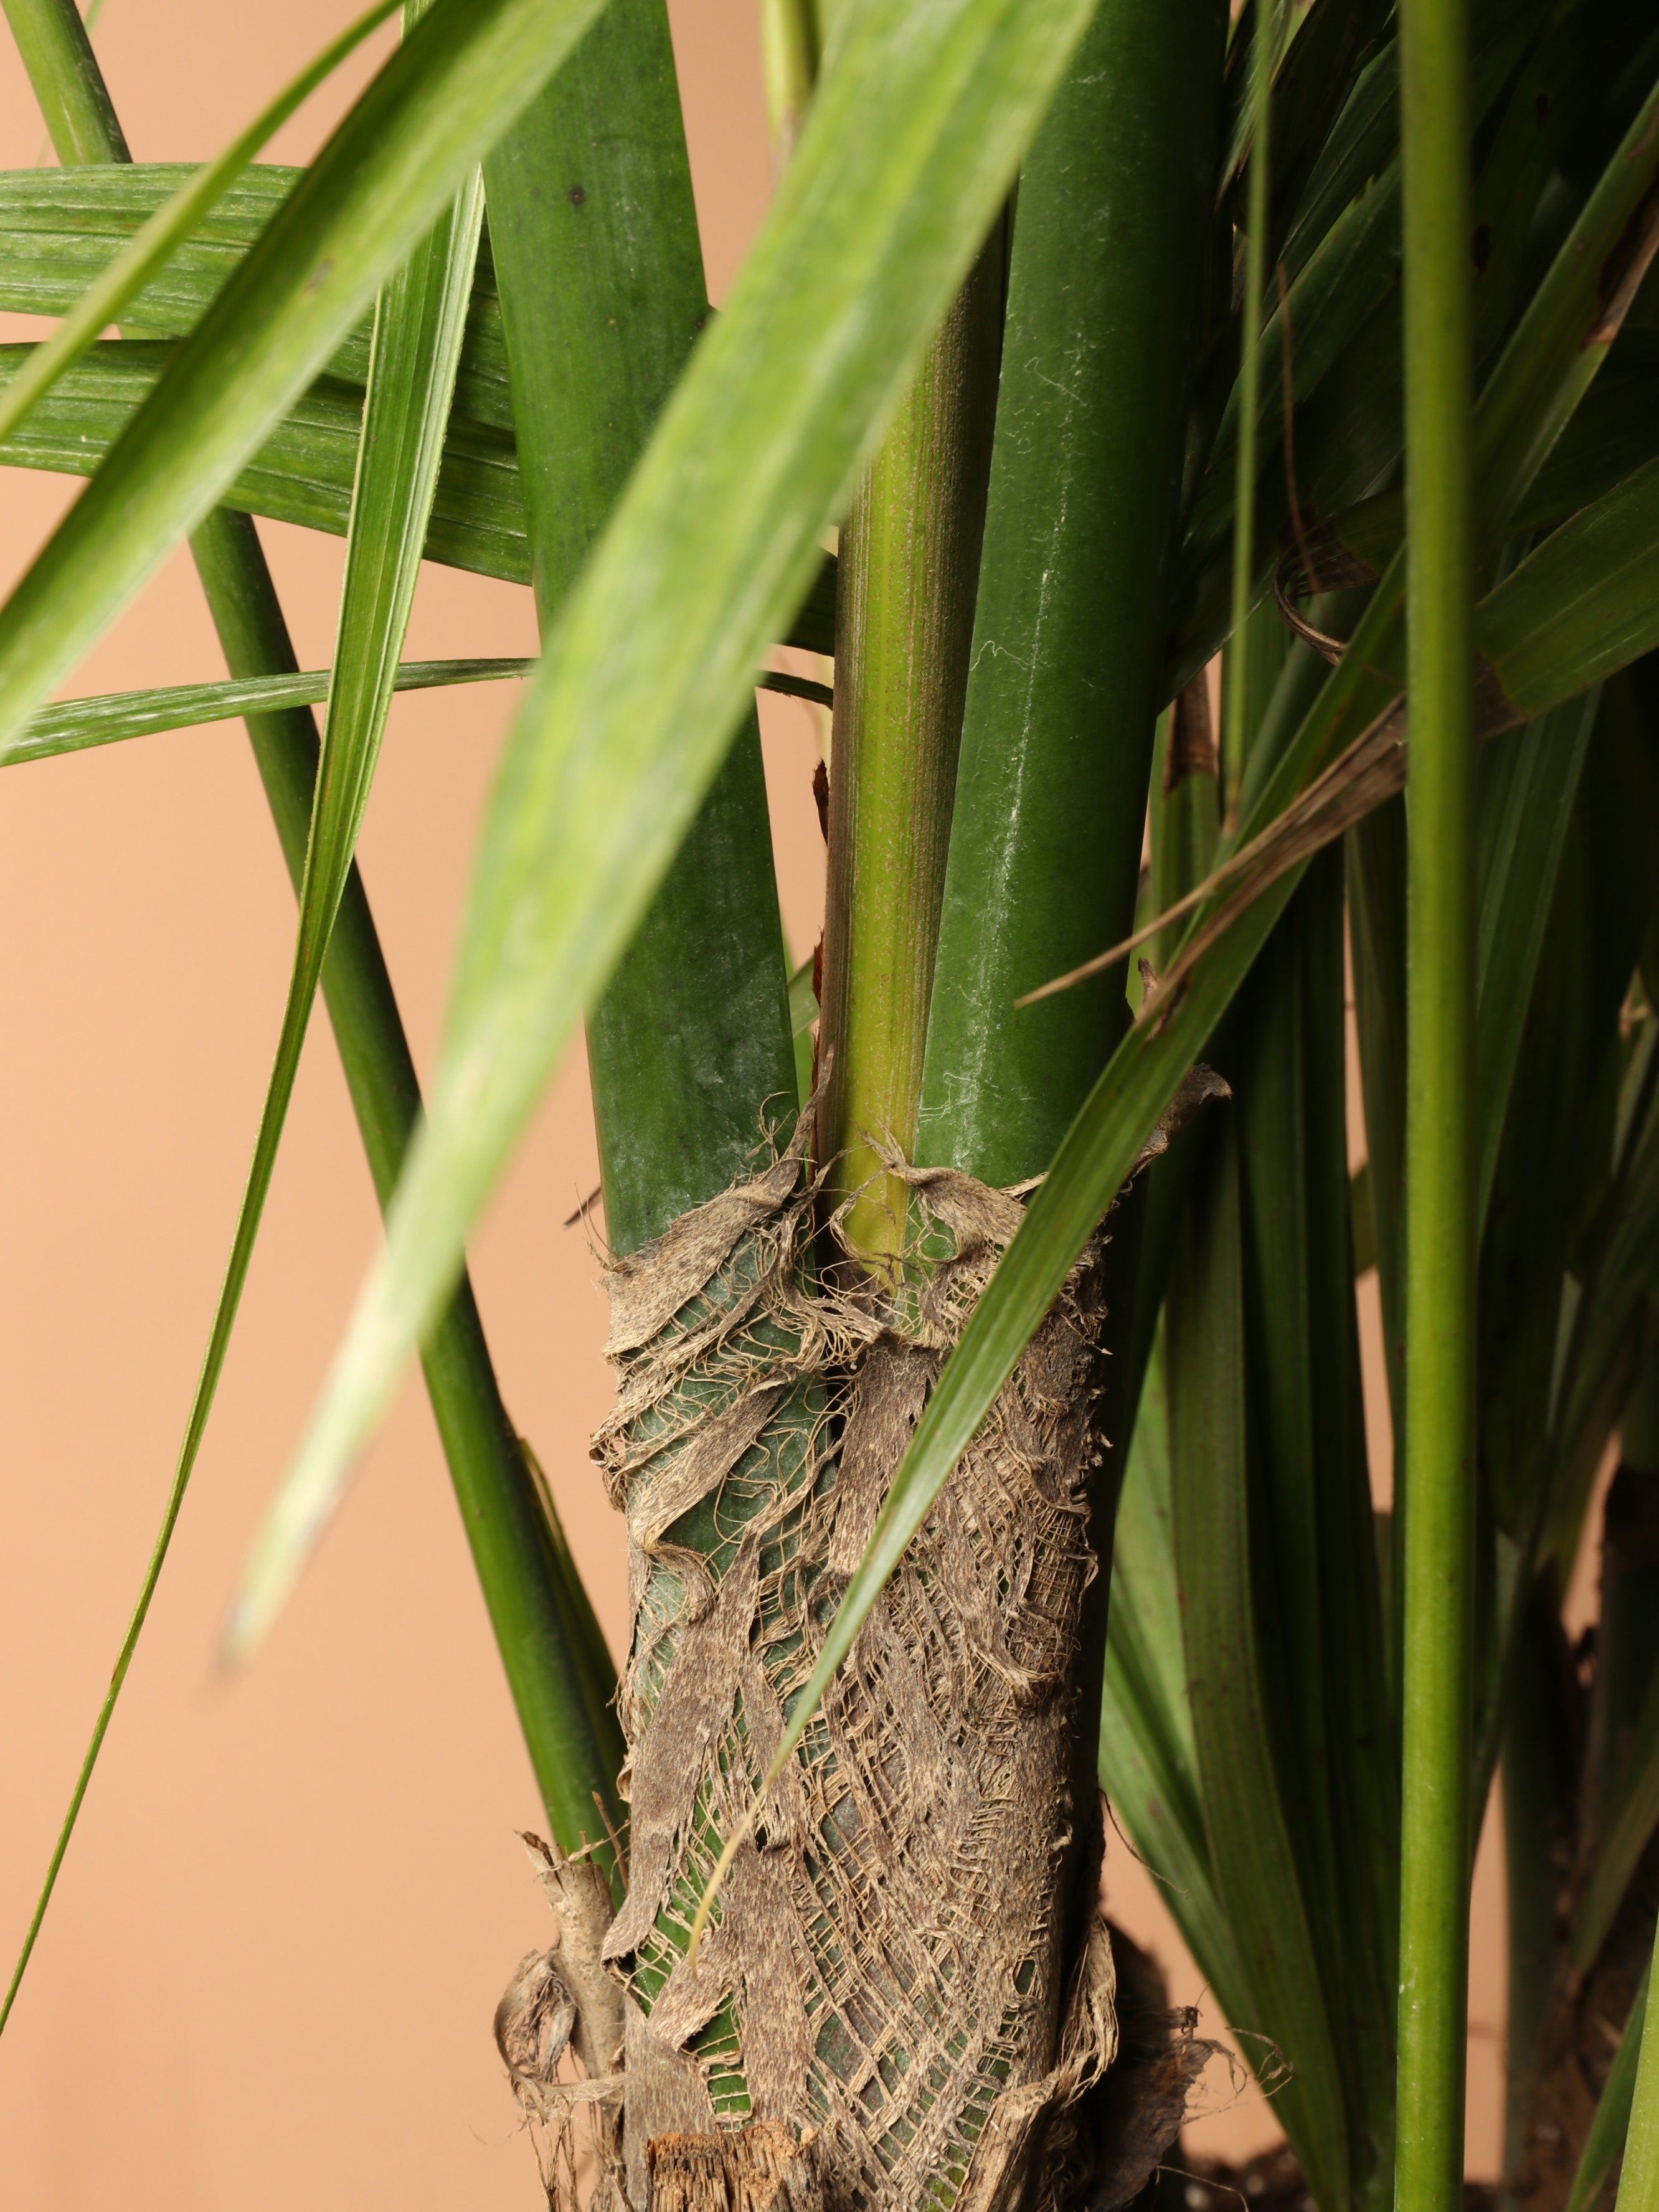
pixel 304 466
pixel 105 299
pixel 411 379
pixel 418 330
pixel 80 724
pixel 912 138
pixel 1533 786
pixel 60 229
pixel 1608 2130
pixel 448 92
pixel 1142 1078
pixel 1632 1822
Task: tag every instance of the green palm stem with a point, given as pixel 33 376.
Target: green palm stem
pixel 909 563
pixel 1264 41
pixel 1440 1186
pixel 1110 234
pixel 558 1669
pixel 594 235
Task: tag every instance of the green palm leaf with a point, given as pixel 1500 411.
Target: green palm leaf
pixel 61 229
pixel 913 135
pixel 440 102
pixel 105 300
pixel 79 724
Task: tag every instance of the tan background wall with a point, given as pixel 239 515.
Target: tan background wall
pixel 267 1979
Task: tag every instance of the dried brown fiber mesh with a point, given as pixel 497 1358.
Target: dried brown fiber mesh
pixel 882 1988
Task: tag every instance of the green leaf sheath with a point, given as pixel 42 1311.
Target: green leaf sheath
pixel 1438 1501
pixel 1045 840
pixel 596 245
pixel 910 145
pixel 542 1616
pixel 459 78
pixel 909 555
pixel 1108 235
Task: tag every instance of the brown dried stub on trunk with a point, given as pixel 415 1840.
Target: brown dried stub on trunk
pixel 884 1982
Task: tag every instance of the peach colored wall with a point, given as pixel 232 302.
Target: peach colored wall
pixel 268 1977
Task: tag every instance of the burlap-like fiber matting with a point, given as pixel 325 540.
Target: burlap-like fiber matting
pixel 883 1984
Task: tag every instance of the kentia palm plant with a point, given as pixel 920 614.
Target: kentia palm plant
pixel 1325 342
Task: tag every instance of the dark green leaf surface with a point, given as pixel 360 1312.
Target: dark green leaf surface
pixel 1631 1819
pixel 1562 340
pixel 1313 1571
pixel 1585 605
